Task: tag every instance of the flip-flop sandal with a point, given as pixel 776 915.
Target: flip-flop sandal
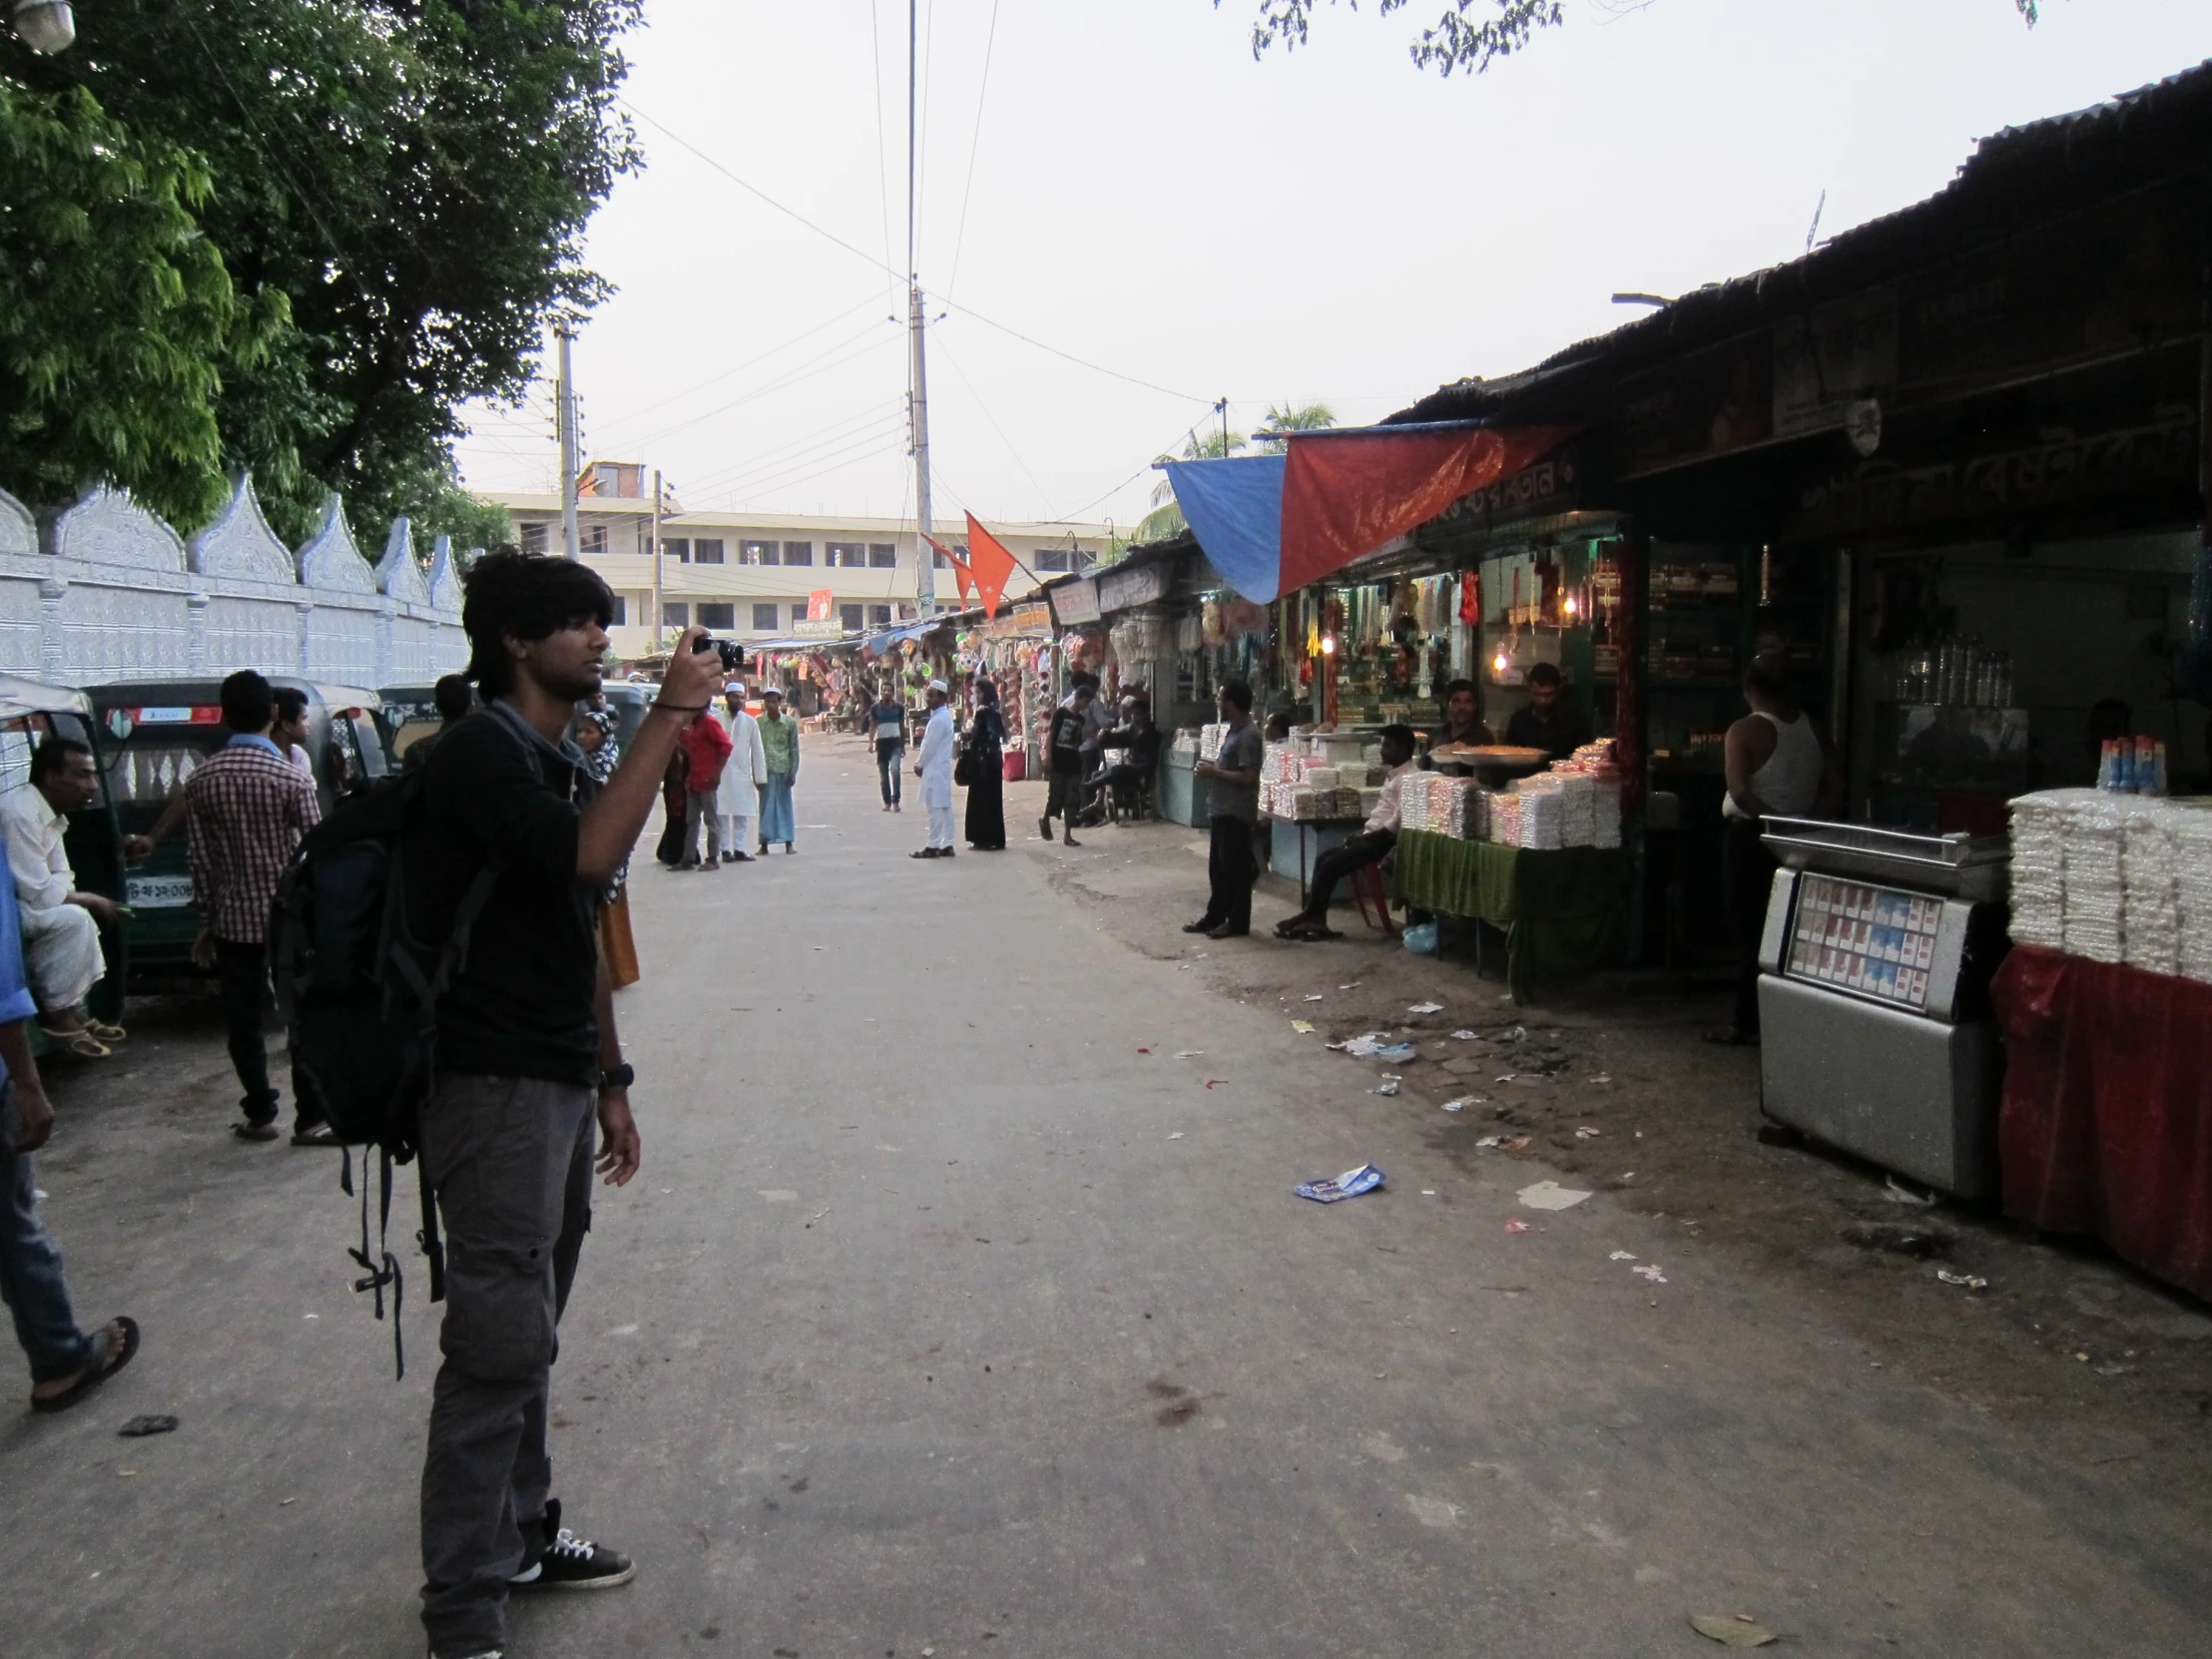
pixel 316 1134
pixel 79 1042
pixel 112 1361
pixel 105 1032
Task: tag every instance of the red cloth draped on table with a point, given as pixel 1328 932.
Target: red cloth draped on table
pixel 2106 1126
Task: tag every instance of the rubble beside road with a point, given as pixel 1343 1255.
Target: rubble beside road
pixel 1606 1085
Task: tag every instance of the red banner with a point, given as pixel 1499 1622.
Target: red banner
pixel 1345 494
pixel 992 564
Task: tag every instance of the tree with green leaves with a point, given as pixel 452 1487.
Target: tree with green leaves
pixel 398 191
pixel 1461 42
pixel 1296 417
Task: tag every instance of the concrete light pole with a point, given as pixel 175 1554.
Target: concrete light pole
pixel 567 422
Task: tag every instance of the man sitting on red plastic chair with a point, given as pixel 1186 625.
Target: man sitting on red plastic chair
pixel 1371 847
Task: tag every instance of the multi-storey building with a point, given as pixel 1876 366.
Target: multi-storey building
pixel 753 575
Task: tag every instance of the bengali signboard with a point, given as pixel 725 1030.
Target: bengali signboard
pixel 1074 602
pixel 1121 590
pixel 1834 357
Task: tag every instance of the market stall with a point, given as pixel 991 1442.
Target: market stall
pixel 2105 1125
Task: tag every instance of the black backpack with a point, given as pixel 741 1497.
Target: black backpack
pixel 359 992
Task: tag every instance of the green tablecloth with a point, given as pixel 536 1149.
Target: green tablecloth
pixel 1562 912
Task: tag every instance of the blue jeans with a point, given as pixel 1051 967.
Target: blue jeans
pixel 31 1268
pixel 887 756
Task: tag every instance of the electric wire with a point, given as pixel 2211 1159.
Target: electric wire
pixel 975 138
pixel 834 432
pixel 993 419
pixel 951 305
pixel 716 379
pixel 807 370
pixel 768 465
pixel 882 150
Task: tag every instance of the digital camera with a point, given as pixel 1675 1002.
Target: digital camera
pixel 733 654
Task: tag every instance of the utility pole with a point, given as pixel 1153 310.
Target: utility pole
pixel 567 422
pixel 1222 406
pixel 925 563
pixel 656 559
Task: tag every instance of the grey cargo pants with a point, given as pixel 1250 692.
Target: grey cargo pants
pixel 510 1160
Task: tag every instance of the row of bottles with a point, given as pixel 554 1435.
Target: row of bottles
pixel 1958 672
pixel 2133 765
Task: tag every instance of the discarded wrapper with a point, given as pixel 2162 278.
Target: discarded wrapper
pixel 1549 1195
pixel 1376 1045
pixel 1426 1008
pixel 1460 1106
pixel 1316 997
pixel 1516 1225
pixel 1587 1133
pixel 1350 1184
pixel 1899 1194
pixel 1650 1271
pixel 1972 1281
pixel 1622 1256
pixel 1189 1053
pixel 1467 1036
pixel 153 1424
pixel 1389 1085
pixel 1303 1028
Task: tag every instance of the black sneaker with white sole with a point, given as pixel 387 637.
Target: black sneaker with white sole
pixel 567 1563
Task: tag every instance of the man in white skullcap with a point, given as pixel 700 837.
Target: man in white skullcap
pixel 933 766
pixel 737 797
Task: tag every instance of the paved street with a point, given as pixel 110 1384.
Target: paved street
pixel 959 1311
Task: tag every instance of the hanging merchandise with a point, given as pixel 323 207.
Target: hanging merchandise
pixel 1471 598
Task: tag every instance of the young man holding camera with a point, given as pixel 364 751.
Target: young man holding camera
pixel 528 1059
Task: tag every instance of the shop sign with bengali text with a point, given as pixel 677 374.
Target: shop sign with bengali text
pixel 1074 602
pixel 1119 590
pixel 818 628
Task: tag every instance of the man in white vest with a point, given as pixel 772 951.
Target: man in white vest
pixel 737 799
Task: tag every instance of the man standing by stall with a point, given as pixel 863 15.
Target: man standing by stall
pixel 1545 722
pixel 1778 762
pixel 1462 727
pixel 1064 741
pixel 1233 808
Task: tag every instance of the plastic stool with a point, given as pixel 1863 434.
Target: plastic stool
pixel 1367 885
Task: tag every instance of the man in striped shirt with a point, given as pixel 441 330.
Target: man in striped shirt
pixel 246 809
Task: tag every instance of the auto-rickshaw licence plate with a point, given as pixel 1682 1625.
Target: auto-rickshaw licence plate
pixel 157 893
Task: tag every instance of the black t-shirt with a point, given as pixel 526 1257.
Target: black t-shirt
pixel 524 1003
pixel 1559 731
pixel 1067 744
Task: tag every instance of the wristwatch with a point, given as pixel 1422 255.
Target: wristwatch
pixel 617 1077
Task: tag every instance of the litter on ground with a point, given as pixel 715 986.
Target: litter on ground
pixel 1350 1184
pixel 1549 1195
pixel 1426 1008
pixel 1316 997
pixel 1389 1085
pixel 1739 1631
pixel 1516 1225
pixel 1467 1036
pixel 1601 1077
pixel 1899 1194
pixel 1303 1028
pixel 1189 1053
pixel 1650 1271
pixel 1972 1281
pixel 1586 1133
pixel 1460 1106
pixel 1622 1256
pixel 1486 1140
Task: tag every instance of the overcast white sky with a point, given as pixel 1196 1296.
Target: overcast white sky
pixel 1332 224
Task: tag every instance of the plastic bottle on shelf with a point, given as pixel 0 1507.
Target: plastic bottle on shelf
pixel 2108 765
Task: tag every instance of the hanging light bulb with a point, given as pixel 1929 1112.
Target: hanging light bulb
pixel 47 26
pixel 1329 645
pixel 1500 662
pixel 1567 606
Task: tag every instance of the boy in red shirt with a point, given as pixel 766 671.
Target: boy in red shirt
pixel 705 748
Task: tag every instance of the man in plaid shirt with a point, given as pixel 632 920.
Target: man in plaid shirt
pixel 246 809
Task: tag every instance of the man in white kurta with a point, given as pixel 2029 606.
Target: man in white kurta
pixel 61 926
pixel 933 766
pixel 737 799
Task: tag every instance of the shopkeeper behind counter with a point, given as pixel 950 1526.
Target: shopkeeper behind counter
pixel 1544 721
pixel 1462 725
pixel 1779 761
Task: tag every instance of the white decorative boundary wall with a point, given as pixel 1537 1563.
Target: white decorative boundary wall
pixel 103 590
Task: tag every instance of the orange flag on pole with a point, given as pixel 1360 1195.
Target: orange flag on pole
pixel 991 563
pixel 961 572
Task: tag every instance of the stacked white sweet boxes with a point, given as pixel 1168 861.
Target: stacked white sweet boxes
pixel 1414 800
pixel 1209 742
pixel 2150 894
pixel 1605 811
pixel 2191 821
pixel 1505 818
pixel 1542 820
pixel 2038 872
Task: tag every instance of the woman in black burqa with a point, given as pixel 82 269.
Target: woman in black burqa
pixel 985 761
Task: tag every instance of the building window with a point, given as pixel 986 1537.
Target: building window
pixel 618 478
pixel 716 614
pixel 619 616
pixel 937 558
pixel 757 553
pixel 675 613
pixel 879 615
pixel 764 619
pixel 845 555
pixel 1052 558
pixel 852 617
pixel 798 552
pixel 676 548
pixel 592 538
pixel 906 613
pixel 707 550
pixel 1081 558
pixel 534 537
pixel 883 556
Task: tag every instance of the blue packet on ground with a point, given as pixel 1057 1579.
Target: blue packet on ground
pixel 1350 1184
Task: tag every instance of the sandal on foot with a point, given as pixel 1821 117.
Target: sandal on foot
pixel 255 1131
pixel 105 1032
pixel 122 1336
pixel 79 1042
pixel 315 1134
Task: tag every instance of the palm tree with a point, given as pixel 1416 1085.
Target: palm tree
pixel 1296 417
pixel 1166 518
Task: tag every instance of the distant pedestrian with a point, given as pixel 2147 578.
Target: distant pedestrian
pixel 60 923
pixel 780 748
pixel 933 766
pixel 986 750
pixel 738 801
pixel 1064 740
pixel 669 849
pixel 246 810
pixel 888 722
pixel 67 1363
pixel 288 730
pixel 706 745
pixel 455 698
pixel 1233 809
